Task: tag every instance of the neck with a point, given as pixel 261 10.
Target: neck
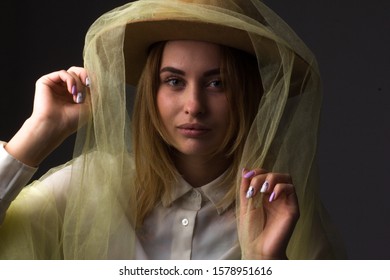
pixel 199 171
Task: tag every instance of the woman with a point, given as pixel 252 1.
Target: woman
pixel 165 183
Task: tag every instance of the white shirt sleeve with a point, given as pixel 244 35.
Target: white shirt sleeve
pixel 14 175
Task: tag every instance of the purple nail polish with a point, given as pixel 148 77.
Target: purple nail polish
pixel 74 90
pixel 271 198
pixel 249 174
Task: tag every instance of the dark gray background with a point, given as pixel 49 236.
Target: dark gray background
pixel 351 42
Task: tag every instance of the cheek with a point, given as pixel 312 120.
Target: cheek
pixel 222 109
pixel 224 112
pixel 165 106
pixel 165 115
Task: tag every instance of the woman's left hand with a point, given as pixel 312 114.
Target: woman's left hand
pixel 265 231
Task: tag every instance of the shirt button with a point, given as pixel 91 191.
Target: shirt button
pixel 195 194
pixel 184 222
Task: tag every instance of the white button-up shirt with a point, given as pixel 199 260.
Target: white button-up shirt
pixel 193 227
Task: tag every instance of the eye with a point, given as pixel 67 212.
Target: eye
pixel 174 82
pixel 216 85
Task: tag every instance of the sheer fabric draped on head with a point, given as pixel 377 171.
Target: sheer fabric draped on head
pixel 101 203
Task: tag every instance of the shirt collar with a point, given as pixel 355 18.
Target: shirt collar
pixel 213 191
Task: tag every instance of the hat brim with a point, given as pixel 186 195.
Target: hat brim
pixel 140 35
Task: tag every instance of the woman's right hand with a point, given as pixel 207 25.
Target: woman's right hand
pixel 60 98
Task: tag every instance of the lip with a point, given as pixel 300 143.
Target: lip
pixel 193 130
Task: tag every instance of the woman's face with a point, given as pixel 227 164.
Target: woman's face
pixel 191 98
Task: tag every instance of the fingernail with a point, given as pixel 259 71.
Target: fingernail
pixel 264 187
pixel 271 198
pixel 250 192
pixel 80 98
pixel 87 82
pixel 74 90
pixel 249 174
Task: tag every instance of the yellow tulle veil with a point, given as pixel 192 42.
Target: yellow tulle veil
pixel 100 204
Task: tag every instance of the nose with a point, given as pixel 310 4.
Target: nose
pixel 195 104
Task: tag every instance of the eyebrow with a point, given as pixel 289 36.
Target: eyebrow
pixel 174 70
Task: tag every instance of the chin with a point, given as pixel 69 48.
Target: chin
pixel 197 151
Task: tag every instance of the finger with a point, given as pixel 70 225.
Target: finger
pixel 79 89
pixel 280 190
pixel 256 178
pixel 284 198
pixel 247 213
pixel 58 78
pixel 81 73
pixel 272 179
pixel 247 190
pixel 245 180
pixel 72 81
pixel 250 218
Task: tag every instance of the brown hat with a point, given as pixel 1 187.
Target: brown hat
pixel 142 33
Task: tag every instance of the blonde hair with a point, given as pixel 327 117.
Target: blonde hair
pixel 155 176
